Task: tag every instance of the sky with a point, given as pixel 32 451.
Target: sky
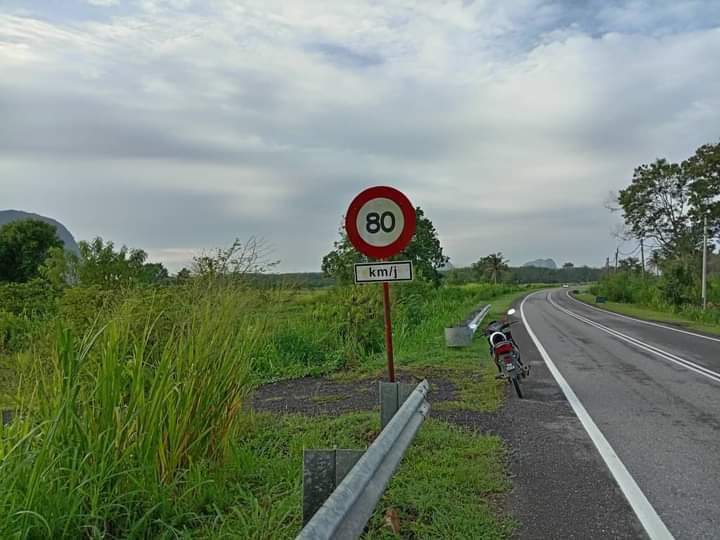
pixel 176 126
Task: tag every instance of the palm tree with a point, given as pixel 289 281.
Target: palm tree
pixel 491 266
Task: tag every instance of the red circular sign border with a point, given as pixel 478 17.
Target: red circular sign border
pixel 377 192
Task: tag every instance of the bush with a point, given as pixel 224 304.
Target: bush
pixel 679 285
pixel 25 309
pixel 677 291
pixel 14 332
pixel 35 298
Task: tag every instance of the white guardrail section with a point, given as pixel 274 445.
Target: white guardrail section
pixel 348 509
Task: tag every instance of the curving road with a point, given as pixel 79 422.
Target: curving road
pixel 652 392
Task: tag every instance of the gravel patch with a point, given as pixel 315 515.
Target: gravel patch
pixel 316 395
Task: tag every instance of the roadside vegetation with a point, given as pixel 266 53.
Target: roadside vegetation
pixel 667 210
pixel 133 389
pixel 650 314
pixel 134 417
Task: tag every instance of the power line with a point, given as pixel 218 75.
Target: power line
pixel 629 253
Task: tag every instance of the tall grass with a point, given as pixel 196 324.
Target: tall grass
pixel 118 427
pixel 131 402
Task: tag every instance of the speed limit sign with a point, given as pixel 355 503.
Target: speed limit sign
pixel 380 222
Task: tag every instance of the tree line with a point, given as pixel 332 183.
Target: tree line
pixel 667 209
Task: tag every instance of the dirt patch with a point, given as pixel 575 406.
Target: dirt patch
pixel 314 395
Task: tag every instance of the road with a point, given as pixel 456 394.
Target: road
pixel 651 397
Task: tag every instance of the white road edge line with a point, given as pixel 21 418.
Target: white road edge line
pixel 640 320
pixel 687 364
pixel 647 515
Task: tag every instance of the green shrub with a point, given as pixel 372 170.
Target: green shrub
pixel 25 309
pixel 35 298
pixel 14 332
pixel 676 291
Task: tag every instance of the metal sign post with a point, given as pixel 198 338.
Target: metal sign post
pixel 380 223
pixel 388 332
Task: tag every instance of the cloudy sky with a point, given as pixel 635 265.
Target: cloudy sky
pixel 178 125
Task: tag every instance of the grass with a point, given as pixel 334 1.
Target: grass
pixel 470 369
pixel 649 314
pixel 8 383
pixel 442 460
pixel 262 489
pixel 137 430
pixel 427 347
pixel 119 429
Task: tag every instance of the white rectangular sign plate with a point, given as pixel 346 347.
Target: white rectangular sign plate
pixel 383 271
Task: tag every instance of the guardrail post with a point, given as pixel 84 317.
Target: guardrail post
pixel 345 513
pixel 323 470
pixel 392 396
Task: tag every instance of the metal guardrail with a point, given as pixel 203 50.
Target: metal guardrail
pixel 348 509
pixel 462 334
pixel 477 319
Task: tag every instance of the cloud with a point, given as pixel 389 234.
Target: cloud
pixel 179 126
pixel 345 57
pixel 103 3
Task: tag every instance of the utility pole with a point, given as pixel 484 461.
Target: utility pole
pixel 704 263
pixel 607 266
pixel 642 256
pixel 617 252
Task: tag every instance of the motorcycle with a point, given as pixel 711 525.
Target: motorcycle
pixel 506 353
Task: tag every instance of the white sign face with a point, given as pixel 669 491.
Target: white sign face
pixel 383 271
pixel 380 222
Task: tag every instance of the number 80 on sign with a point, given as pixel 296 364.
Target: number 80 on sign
pixel 380 222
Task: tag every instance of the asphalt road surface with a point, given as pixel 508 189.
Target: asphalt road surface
pixel 648 396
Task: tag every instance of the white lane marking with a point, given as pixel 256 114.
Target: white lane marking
pixel 649 518
pixel 650 323
pixel 687 364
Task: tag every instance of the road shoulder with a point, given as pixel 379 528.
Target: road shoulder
pixel 561 486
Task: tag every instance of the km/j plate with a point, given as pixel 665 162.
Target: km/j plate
pixel 383 272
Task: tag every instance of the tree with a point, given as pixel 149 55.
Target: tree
pixel 424 251
pixel 568 265
pixel 153 273
pixel 183 276
pixel 60 267
pixel 666 202
pixel 492 266
pixel 631 264
pixel 656 204
pixel 101 265
pixel 703 168
pixel 24 245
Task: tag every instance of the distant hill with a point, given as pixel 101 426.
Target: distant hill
pixel 542 263
pixel 6 216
